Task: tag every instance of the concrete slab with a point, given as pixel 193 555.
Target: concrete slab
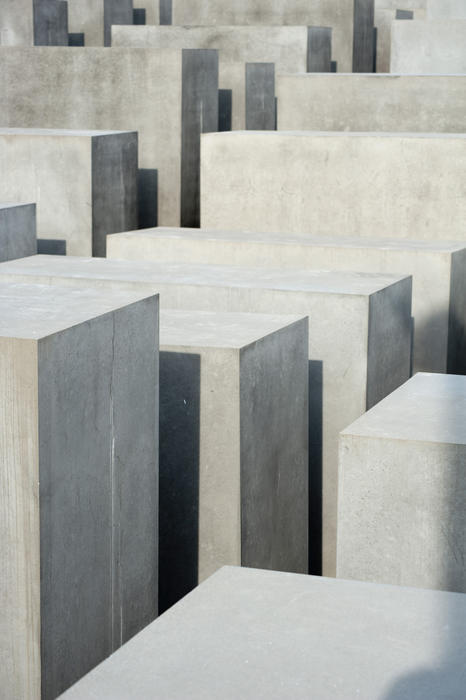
pixel 16 23
pixel 233 447
pixel 403 486
pixel 359 344
pixel 428 103
pixel 438 270
pixel 116 12
pixel 122 89
pixel 273 635
pixel 383 19
pixel 84 182
pixel 17 231
pixel 78 495
pixel 87 16
pixel 287 47
pixel 435 46
pixel 446 9
pixel 50 22
pixel 337 14
pixel 410 185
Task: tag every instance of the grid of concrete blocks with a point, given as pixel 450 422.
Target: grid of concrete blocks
pixel 232 349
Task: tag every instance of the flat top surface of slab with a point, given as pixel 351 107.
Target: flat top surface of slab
pixel 9 131
pixel 335 134
pixel 253 634
pixel 317 281
pixel 13 205
pixel 373 76
pixel 218 330
pixel 290 239
pixel 35 311
pixel 428 408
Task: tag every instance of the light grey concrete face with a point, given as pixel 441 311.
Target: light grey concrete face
pixel 16 23
pixel 444 9
pixel 438 270
pixel 383 19
pixel 234 446
pixel 429 103
pixel 287 47
pixel 420 653
pixel 435 46
pixel 343 309
pixel 79 491
pixel 304 13
pixel 17 231
pixel 121 89
pixel 263 181
pixel 84 182
pixel 363 36
pixel 402 488
pixel 260 96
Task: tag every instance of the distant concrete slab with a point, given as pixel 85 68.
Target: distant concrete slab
pixel 17 231
pixel 428 46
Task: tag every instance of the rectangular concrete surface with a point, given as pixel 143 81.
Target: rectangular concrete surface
pixel 17 231
pixel 286 636
pixel 233 446
pixel 337 14
pixel 286 47
pixel 84 182
pixel 403 488
pixel 379 185
pixel 167 96
pixel 428 46
pixel 16 23
pixel 383 19
pixel 438 270
pixel 446 9
pixel 359 339
pixel 79 480
pixel 87 16
pixel 371 102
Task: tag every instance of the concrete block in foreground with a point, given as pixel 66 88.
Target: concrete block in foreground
pixel 79 487
pixel 17 231
pixel 402 488
pixel 285 636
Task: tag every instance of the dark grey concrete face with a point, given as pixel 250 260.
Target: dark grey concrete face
pixel 225 104
pixel 116 12
pixel 50 246
pixel 50 22
pixel 260 96
pixel 319 49
pixel 333 67
pixel 147 197
pixel 165 10
pixel 76 39
pixel 114 187
pixel 199 116
pixel 404 14
pixel 17 231
pixel 98 489
pixel 139 16
pixel 274 476
pixel 457 319
pixel 363 36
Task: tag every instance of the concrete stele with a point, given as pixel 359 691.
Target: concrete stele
pixel 17 231
pixel 428 46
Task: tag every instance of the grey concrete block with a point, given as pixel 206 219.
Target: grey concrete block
pixel 79 493
pixel 428 103
pixel 139 16
pixel 404 14
pixel 84 182
pixel 434 46
pixel 17 231
pixel 445 9
pixel 225 106
pixel 165 11
pixel 402 488
pixel 272 635
pixel 17 23
pixel 359 344
pixel 438 270
pixel 50 22
pixel 116 12
pixel 363 36
pixel 383 18
pixel 234 446
pixel 263 181
pixel 260 96
pixel 286 47
pixel 76 39
pixel 319 49
pixel 121 89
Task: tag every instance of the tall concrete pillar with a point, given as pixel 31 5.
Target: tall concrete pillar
pixel 363 36
pixel 260 96
pixel 319 50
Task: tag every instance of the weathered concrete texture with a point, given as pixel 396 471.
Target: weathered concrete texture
pixel 79 482
pixel 88 16
pixel 84 182
pixel 383 19
pixel 363 36
pixel 116 12
pixel 274 635
pixel 337 14
pixel 286 47
pixel 435 46
pixel 381 185
pixel 403 487
pixel 260 96
pixel 428 103
pixel 443 9
pixel 438 270
pixel 234 461
pixel 17 231
pixel 121 89
pixel 16 23
pixel 319 49
pixel 50 22
pixel 359 344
